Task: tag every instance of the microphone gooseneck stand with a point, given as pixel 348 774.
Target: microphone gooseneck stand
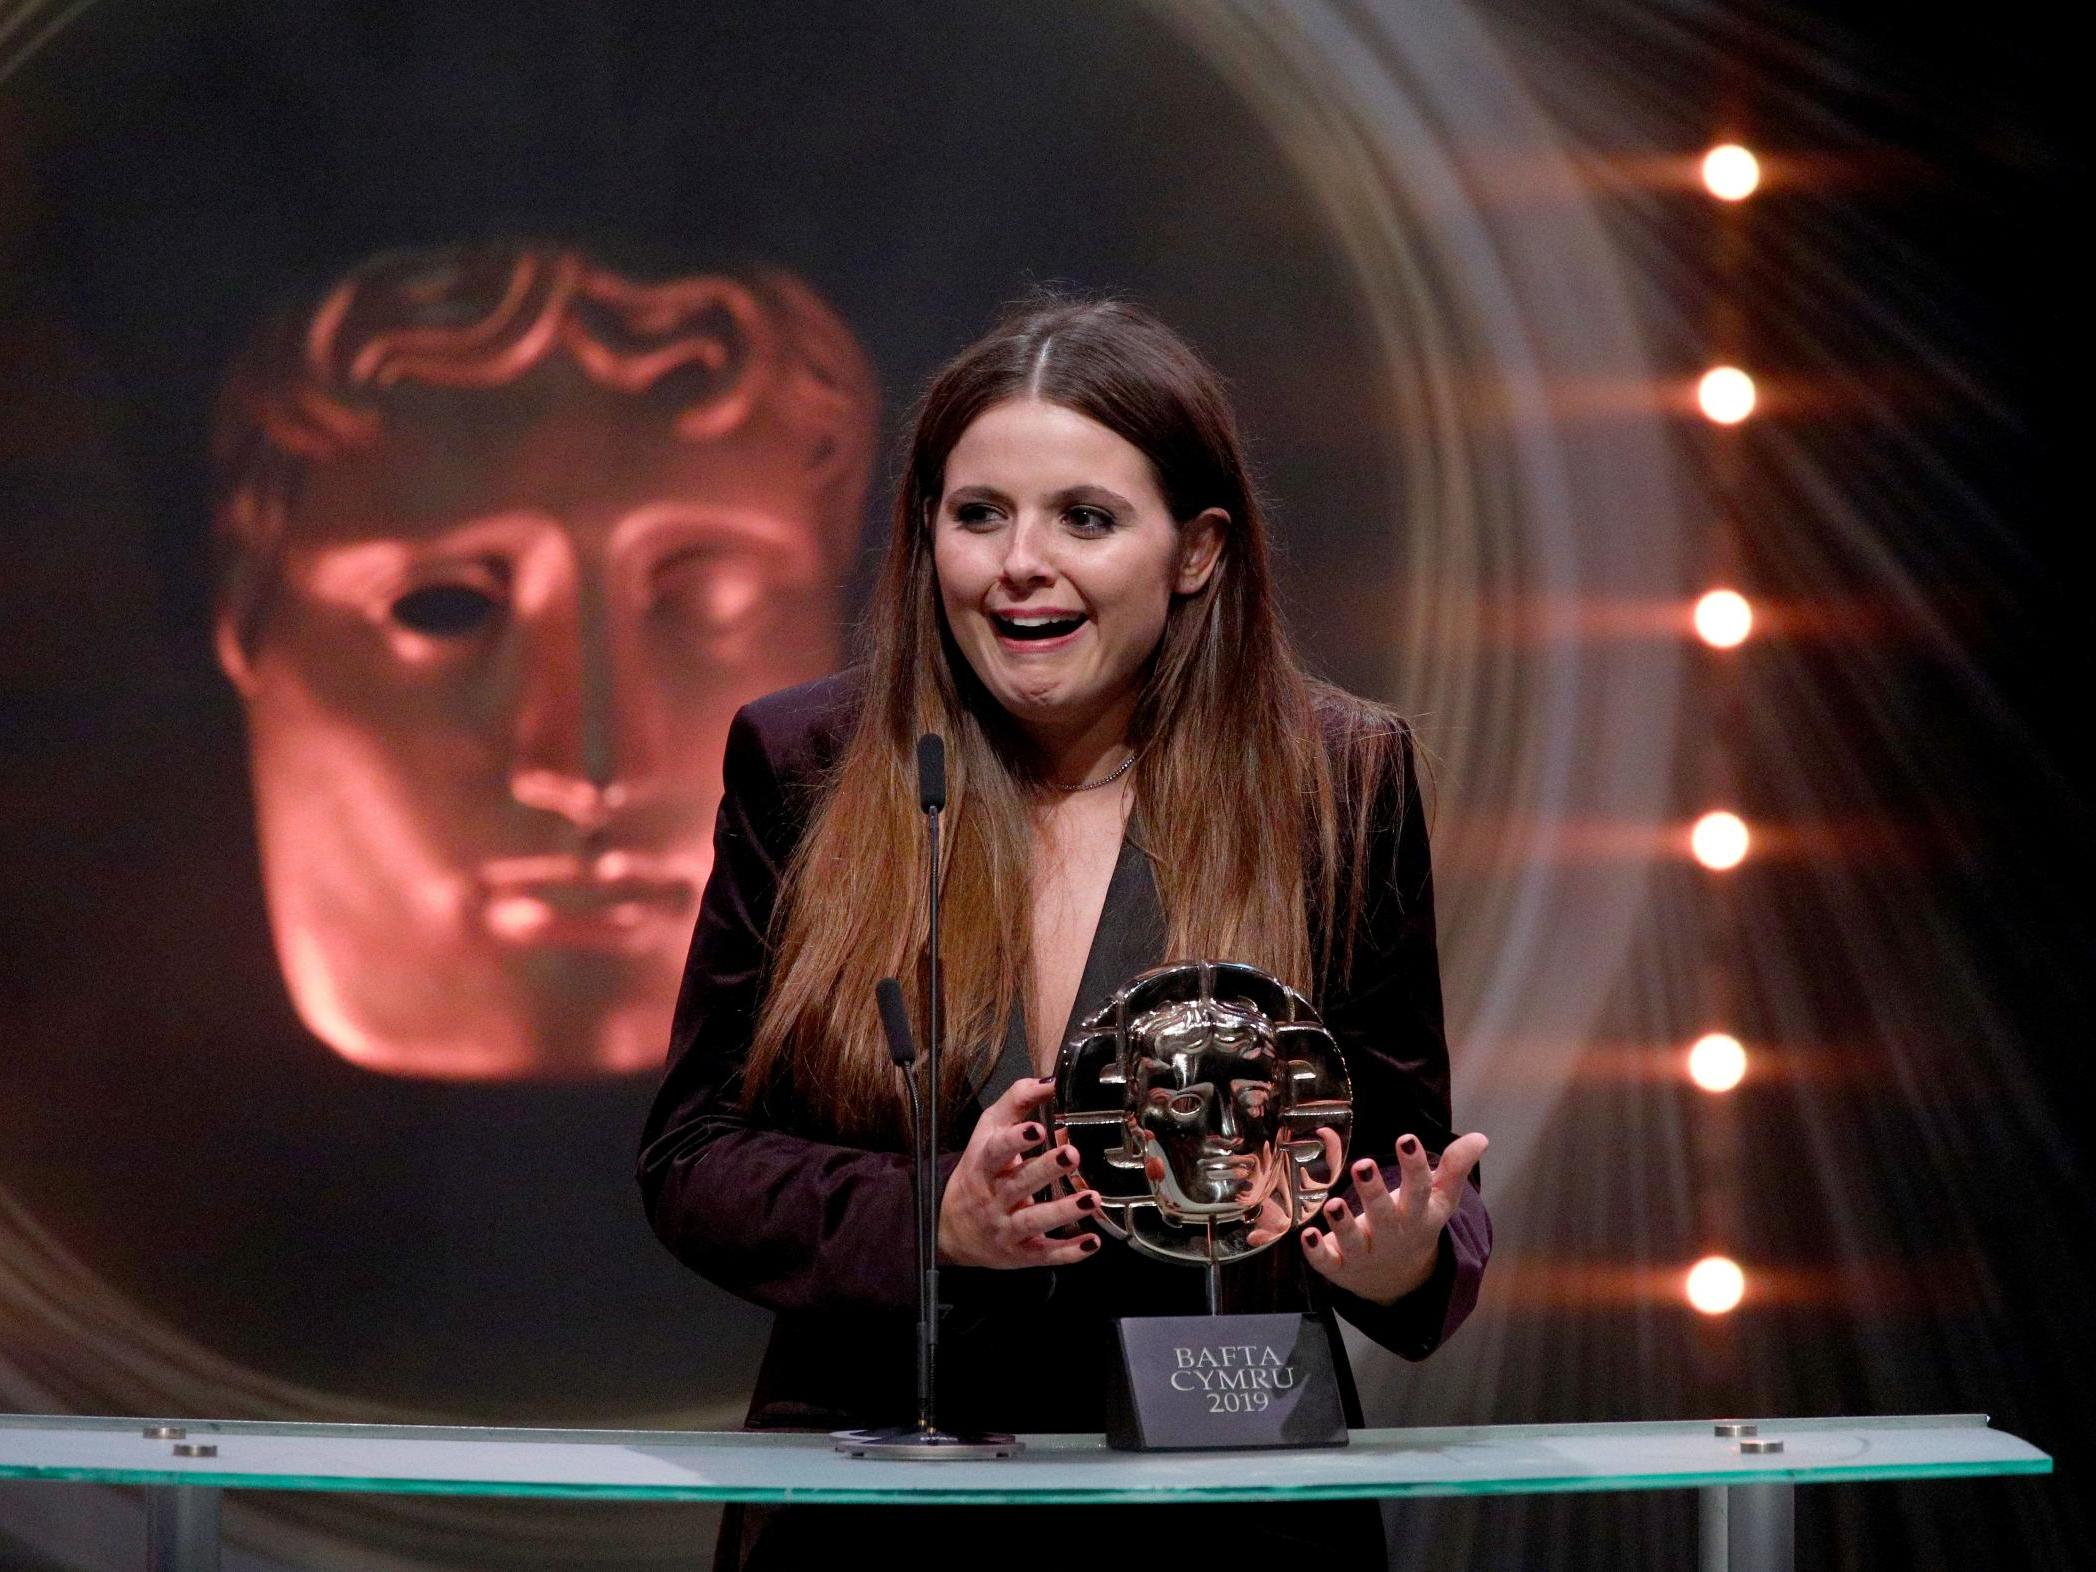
pixel 924 1439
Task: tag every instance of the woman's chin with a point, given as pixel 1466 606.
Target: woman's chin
pixel 1036 704
pixel 1047 702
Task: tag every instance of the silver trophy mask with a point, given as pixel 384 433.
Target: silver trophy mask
pixel 1193 1100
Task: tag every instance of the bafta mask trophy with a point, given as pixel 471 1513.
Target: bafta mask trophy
pixel 1210 1109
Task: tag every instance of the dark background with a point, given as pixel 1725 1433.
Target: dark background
pixel 163 176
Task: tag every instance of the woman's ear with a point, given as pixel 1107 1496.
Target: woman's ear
pixel 1200 548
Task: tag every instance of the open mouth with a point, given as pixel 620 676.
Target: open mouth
pixel 1038 628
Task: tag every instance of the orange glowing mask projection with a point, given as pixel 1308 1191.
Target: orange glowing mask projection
pixel 505 539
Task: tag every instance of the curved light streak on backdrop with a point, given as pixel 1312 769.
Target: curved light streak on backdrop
pixel 1536 479
pixel 1505 316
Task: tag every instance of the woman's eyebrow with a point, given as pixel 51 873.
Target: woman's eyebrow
pixel 1097 496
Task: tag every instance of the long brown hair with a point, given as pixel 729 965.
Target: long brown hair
pixel 1253 781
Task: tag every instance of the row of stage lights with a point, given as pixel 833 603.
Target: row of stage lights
pixel 1719 840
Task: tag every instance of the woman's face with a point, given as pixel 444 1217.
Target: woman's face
pixel 1058 560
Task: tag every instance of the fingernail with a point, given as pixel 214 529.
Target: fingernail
pixel 1408 1146
pixel 1364 1170
pixel 1066 1157
pixel 1334 1208
pixel 1044 1080
pixel 1089 1245
pixel 1087 1203
pixel 1310 1236
pixel 1031 1133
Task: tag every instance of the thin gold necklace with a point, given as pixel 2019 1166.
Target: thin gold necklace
pixel 1105 780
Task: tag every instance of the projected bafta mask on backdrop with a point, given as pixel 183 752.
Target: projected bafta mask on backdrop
pixel 505 539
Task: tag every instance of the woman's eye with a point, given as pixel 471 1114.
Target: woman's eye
pixel 1091 520
pixel 974 515
pixel 445 611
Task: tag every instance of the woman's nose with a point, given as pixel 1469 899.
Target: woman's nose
pixel 1025 564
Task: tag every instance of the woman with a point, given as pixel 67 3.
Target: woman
pixel 1077 596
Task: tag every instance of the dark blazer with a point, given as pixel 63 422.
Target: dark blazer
pixel 780 1212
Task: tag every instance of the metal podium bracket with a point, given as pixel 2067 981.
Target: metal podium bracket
pixel 181 1528
pixel 1748 1528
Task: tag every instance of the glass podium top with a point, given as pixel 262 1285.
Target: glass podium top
pixel 672 1465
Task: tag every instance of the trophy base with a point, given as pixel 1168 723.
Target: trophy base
pixel 913 1443
pixel 1199 1383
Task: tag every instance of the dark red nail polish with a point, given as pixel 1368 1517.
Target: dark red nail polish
pixel 1090 1244
pixel 1087 1203
pixel 1031 1133
pixel 1408 1146
pixel 1364 1169
pixel 1335 1207
pixel 1310 1236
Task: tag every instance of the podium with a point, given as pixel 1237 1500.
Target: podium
pixel 1746 1471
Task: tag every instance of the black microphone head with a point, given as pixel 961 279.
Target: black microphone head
pixel 931 772
pixel 902 1047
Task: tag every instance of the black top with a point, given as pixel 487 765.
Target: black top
pixel 1129 939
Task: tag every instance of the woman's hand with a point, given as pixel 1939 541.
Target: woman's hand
pixel 1389 1249
pixel 988 1215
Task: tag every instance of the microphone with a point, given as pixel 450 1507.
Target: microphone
pixel 895 1019
pixel 902 1048
pixel 931 772
pixel 924 1438
pixel 931 798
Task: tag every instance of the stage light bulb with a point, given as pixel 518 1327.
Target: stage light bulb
pixel 1730 172
pixel 1716 1285
pixel 1724 619
pixel 1719 840
pixel 1726 395
pixel 1717 1062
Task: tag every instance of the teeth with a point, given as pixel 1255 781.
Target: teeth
pixel 1035 626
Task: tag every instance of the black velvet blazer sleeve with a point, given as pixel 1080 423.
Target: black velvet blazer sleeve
pixel 1385 1013
pixel 785 1220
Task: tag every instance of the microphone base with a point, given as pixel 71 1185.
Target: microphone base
pixel 912 1443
